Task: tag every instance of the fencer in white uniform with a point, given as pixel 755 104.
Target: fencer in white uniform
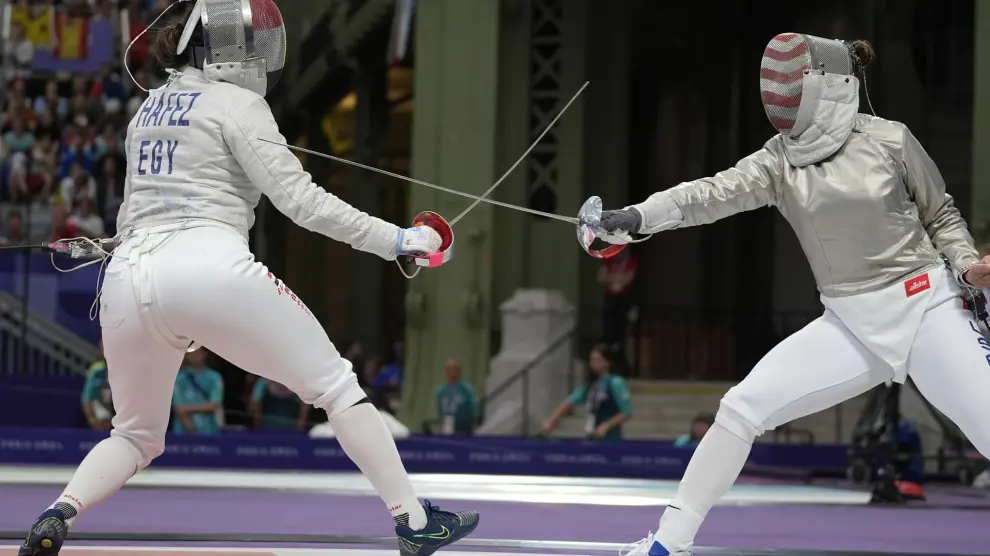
pixel 182 271
pixel 889 251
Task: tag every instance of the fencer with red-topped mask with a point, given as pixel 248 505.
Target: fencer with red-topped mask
pixel 890 253
pixel 182 272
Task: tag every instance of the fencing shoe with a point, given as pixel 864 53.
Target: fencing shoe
pixel 46 536
pixel 648 547
pixel 442 528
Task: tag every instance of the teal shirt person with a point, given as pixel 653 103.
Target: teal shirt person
pixel 605 398
pixel 457 407
pixel 96 397
pixel 457 404
pixel 275 406
pixel 194 389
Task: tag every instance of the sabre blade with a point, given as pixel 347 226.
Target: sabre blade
pixel 521 158
pixel 568 219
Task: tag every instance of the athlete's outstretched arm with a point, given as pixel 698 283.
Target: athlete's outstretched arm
pixel 750 184
pixel 280 176
pixel 936 208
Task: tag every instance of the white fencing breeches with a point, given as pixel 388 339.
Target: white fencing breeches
pixel 165 289
pixel 814 369
pixel 823 365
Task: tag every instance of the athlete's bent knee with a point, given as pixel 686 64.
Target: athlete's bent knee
pixel 146 444
pixel 736 418
pixel 348 397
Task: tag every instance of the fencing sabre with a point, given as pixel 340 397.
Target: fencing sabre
pixel 587 222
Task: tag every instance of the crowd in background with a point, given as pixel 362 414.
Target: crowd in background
pixel 65 109
pixel 66 103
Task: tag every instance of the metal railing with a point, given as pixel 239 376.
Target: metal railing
pixel 527 369
pixel 32 344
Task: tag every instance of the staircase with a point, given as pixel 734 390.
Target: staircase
pixel 37 345
pixel 663 411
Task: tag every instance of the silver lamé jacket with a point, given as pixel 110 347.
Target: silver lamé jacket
pixel 869 214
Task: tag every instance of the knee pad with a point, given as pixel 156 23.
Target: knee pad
pixel 145 444
pixel 350 396
pixel 733 419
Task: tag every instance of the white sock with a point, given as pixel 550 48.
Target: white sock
pixel 717 462
pixel 365 439
pixel 100 475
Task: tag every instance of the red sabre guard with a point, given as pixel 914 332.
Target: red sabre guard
pixel 440 225
pixel 588 229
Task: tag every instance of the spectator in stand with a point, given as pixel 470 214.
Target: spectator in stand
pixel 355 354
pixel 197 399
pixel 19 139
pixel 388 380
pixel 699 427
pixel 86 220
pixel 17 96
pixel 606 397
pixel 76 151
pixel 372 365
pixel 457 404
pixel 52 101
pixel 138 95
pixel 109 189
pixel 109 143
pixel 30 179
pixel 61 227
pixel 15 229
pixel 77 185
pixel 275 407
pixel 97 401
pixel 46 127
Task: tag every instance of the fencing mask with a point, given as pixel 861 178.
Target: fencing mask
pixel 243 42
pixel 787 61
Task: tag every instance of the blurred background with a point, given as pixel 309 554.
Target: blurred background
pixel 552 362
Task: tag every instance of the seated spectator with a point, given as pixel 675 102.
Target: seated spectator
pixel 29 178
pixel 355 354
pixel 76 151
pixel 388 380
pixel 371 367
pixel 110 188
pixel 197 400
pixel 78 184
pixel 275 407
pixel 605 395
pixel 86 221
pixel 699 427
pixel 52 102
pixel 15 232
pixel 97 401
pixel 61 227
pixel 19 139
pixel 45 154
pixel 47 127
pixel 457 404
pixel 108 142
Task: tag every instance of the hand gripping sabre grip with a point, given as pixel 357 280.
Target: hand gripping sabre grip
pixel 440 225
pixel 589 228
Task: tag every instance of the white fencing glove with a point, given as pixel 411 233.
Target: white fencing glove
pixel 417 242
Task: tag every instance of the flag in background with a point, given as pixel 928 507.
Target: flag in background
pixel 73 37
pixel 36 23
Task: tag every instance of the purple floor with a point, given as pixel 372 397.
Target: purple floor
pixel 935 531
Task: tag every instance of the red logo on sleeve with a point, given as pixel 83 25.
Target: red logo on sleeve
pixel 917 285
